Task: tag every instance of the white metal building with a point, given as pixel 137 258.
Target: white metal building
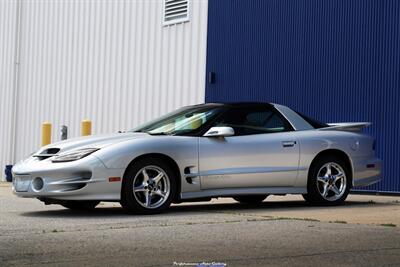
pixel 117 63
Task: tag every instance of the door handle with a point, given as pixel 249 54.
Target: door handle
pixel 288 143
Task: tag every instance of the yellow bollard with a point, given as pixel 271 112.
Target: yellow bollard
pixel 46 133
pixel 86 127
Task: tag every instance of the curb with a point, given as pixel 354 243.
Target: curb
pixel 5 184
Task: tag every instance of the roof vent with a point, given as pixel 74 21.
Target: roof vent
pixel 175 11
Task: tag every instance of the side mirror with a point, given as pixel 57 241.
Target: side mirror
pixel 219 132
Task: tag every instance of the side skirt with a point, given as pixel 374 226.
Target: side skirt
pixel 243 191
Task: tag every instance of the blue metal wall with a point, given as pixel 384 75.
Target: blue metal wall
pixel 336 60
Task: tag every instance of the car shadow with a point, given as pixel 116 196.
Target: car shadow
pixel 200 207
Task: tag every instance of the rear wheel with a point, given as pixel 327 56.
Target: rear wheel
pixel 148 187
pixel 250 199
pixel 80 205
pixel 329 182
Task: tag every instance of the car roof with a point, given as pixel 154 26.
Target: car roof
pixel 297 122
pixel 237 104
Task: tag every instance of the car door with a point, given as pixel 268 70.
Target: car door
pixel 263 152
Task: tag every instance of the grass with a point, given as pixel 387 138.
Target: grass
pixel 258 219
pixel 52 231
pixel 338 221
pixel 296 219
pixel 57 231
pixel 388 224
pixel 232 221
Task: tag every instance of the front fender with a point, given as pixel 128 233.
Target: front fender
pixel 182 149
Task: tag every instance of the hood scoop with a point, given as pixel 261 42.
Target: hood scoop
pixel 47 153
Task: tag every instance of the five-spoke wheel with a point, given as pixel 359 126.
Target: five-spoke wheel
pixel 149 186
pixel 329 181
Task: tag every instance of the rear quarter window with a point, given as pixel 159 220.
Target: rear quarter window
pixel 313 122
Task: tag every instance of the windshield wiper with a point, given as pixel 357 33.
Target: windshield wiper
pixel 160 133
pixel 150 133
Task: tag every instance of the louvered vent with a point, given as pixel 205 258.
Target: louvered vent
pixel 48 153
pixel 176 11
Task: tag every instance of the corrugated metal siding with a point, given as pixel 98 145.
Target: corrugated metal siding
pixel 8 22
pixel 110 61
pixel 336 60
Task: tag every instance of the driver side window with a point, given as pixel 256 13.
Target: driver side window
pixel 253 120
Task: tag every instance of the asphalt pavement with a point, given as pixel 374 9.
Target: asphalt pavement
pixel 282 231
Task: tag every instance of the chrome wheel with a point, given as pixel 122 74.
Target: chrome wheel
pixel 331 181
pixel 151 187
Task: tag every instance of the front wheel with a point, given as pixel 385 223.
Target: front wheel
pixel 149 187
pixel 329 182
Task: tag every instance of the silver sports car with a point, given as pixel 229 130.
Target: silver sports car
pixel 246 151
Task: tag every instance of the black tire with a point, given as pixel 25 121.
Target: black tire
pixel 80 205
pixel 250 199
pixel 131 202
pixel 315 188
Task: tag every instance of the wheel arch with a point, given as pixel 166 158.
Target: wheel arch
pixel 171 162
pixel 337 153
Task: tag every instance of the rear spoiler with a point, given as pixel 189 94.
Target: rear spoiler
pixel 346 126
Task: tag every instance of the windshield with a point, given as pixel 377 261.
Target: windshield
pixel 182 121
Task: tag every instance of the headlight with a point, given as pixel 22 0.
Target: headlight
pixel 74 155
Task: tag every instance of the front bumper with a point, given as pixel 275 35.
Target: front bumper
pixel 367 171
pixel 84 179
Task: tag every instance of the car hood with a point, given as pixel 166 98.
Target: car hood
pixel 95 141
